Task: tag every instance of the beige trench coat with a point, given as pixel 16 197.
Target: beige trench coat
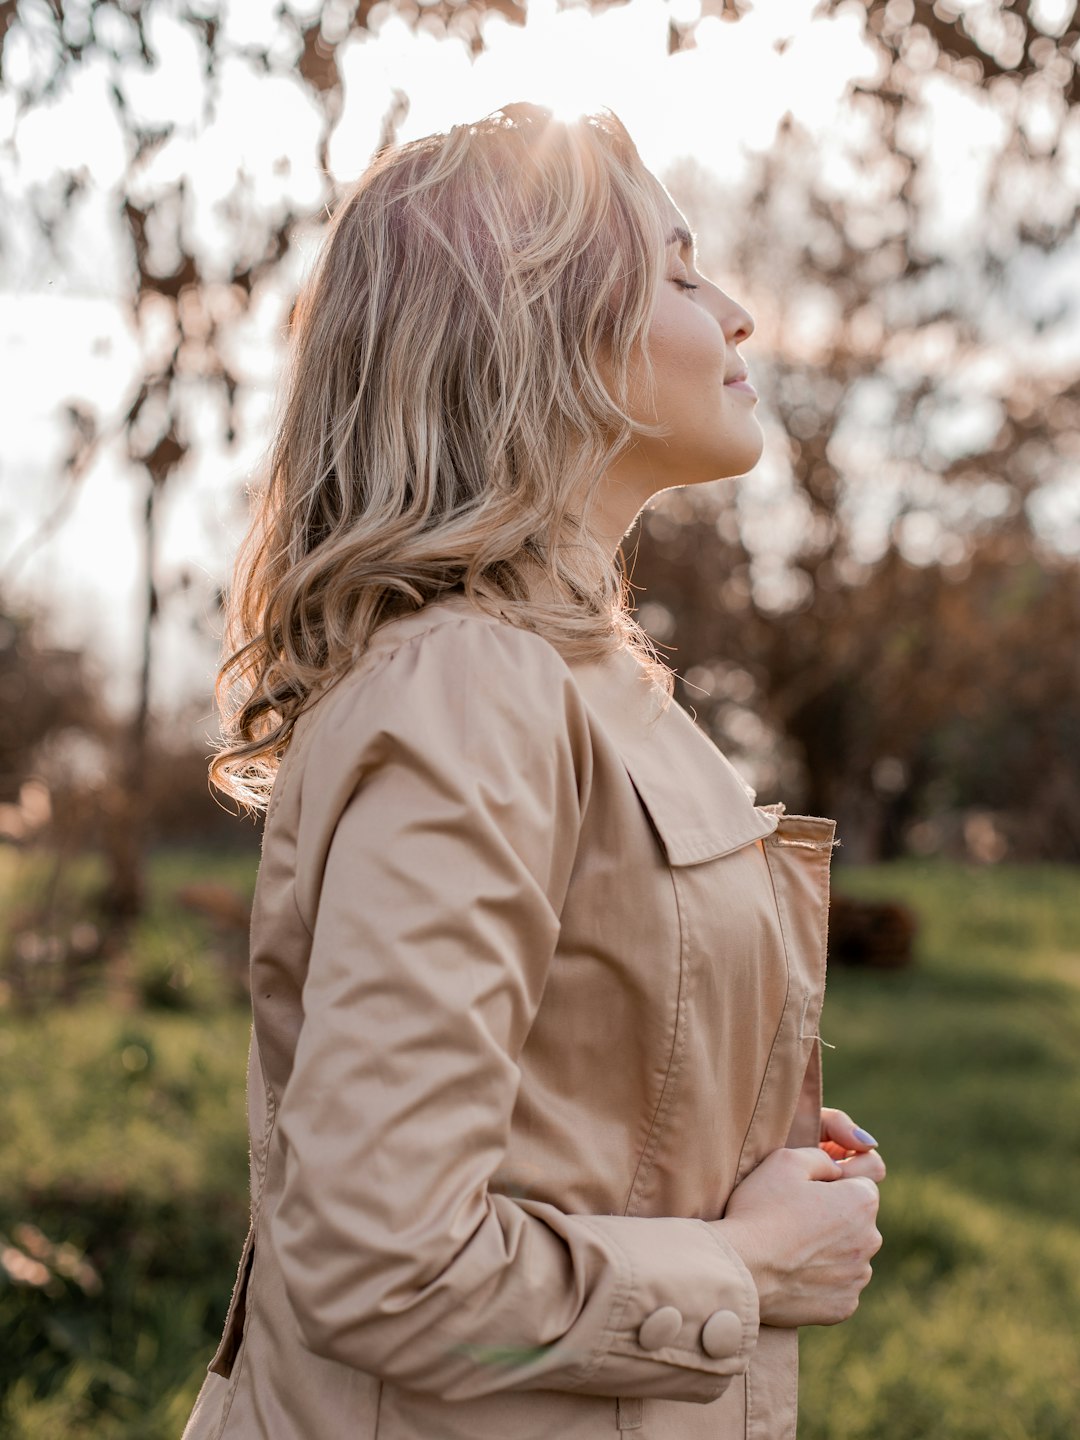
pixel 535 985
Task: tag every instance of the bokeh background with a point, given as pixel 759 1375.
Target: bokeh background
pixel 880 623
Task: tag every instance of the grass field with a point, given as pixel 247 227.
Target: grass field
pixel 123 1175
pixel 967 1070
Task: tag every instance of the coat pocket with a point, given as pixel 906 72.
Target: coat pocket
pixel 233 1334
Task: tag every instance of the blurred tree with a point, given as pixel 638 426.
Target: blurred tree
pixel 44 691
pixel 915 691
pixel 898 600
pixel 186 293
pixel 859 273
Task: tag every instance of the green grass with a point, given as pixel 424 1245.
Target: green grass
pixel 967 1070
pixel 122 1137
pixel 123 1144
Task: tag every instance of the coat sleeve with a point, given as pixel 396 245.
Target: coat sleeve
pixel 441 805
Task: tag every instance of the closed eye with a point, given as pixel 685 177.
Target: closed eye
pixel 684 284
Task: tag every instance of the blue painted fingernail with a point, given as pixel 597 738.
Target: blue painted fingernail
pixel 863 1136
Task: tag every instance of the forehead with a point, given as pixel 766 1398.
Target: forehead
pixel 676 231
pixel 679 235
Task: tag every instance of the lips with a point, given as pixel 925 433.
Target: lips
pixel 738 375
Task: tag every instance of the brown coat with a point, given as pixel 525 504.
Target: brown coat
pixel 535 985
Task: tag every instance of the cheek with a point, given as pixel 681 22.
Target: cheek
pixel 687 347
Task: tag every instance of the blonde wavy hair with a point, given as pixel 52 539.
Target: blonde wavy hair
pixel 444 421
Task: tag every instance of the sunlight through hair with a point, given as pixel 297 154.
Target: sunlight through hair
pixel 447 412
pixel 569 97
pixel 569 108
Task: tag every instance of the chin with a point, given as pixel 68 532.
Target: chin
pixel 734 464
pixel 718 462
pixel 742 460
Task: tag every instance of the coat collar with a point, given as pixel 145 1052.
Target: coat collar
pixel 700 805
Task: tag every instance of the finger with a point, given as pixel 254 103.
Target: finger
pixel 818 1165
pixel 838 1126
pixel 868 1185
pixel 837 1152
pixel 869 1164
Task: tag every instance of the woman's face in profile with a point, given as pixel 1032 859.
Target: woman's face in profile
pixel 713 429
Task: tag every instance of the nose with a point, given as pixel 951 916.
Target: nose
pixel 738 323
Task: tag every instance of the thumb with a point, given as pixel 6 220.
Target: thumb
pixel 838 1128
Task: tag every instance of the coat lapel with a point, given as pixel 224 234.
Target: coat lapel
pixel 700 805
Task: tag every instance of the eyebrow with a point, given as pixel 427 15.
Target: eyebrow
pixel 682 237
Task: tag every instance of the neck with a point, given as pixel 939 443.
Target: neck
pixel 615 506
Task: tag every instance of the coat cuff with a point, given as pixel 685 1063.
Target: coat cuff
pixel 684 1319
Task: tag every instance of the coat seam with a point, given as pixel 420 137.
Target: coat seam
pixel 251 1291
pixel 380 1384
pixel 250 1280
pixel 238 1363
pixel 308 930
pixel 779 1027
pixel 647 1158
pixel 693 851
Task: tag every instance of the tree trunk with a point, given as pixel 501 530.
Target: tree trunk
pixel 125 829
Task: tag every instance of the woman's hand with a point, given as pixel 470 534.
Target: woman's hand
pixel 807 1241
pixel 841 1138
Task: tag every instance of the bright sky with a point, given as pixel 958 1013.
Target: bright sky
pixel 64 336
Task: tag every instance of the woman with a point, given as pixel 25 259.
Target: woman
pixel 536 1139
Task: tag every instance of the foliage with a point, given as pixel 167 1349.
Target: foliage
pixel 187 951
pixel 123 1179
pixel 894 612
pixel 894 700
pixel 193 270
pixel 126 1153
pixel 125 1139
pixel 44 692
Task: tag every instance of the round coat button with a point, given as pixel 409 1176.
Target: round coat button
pixel 721 1334
pixel 659 1328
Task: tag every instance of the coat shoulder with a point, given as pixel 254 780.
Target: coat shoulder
pixel 452 684
pixel 444 664
pixel 446 708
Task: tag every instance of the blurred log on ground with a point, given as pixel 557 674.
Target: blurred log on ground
pixel 871 934
pixel 223 905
